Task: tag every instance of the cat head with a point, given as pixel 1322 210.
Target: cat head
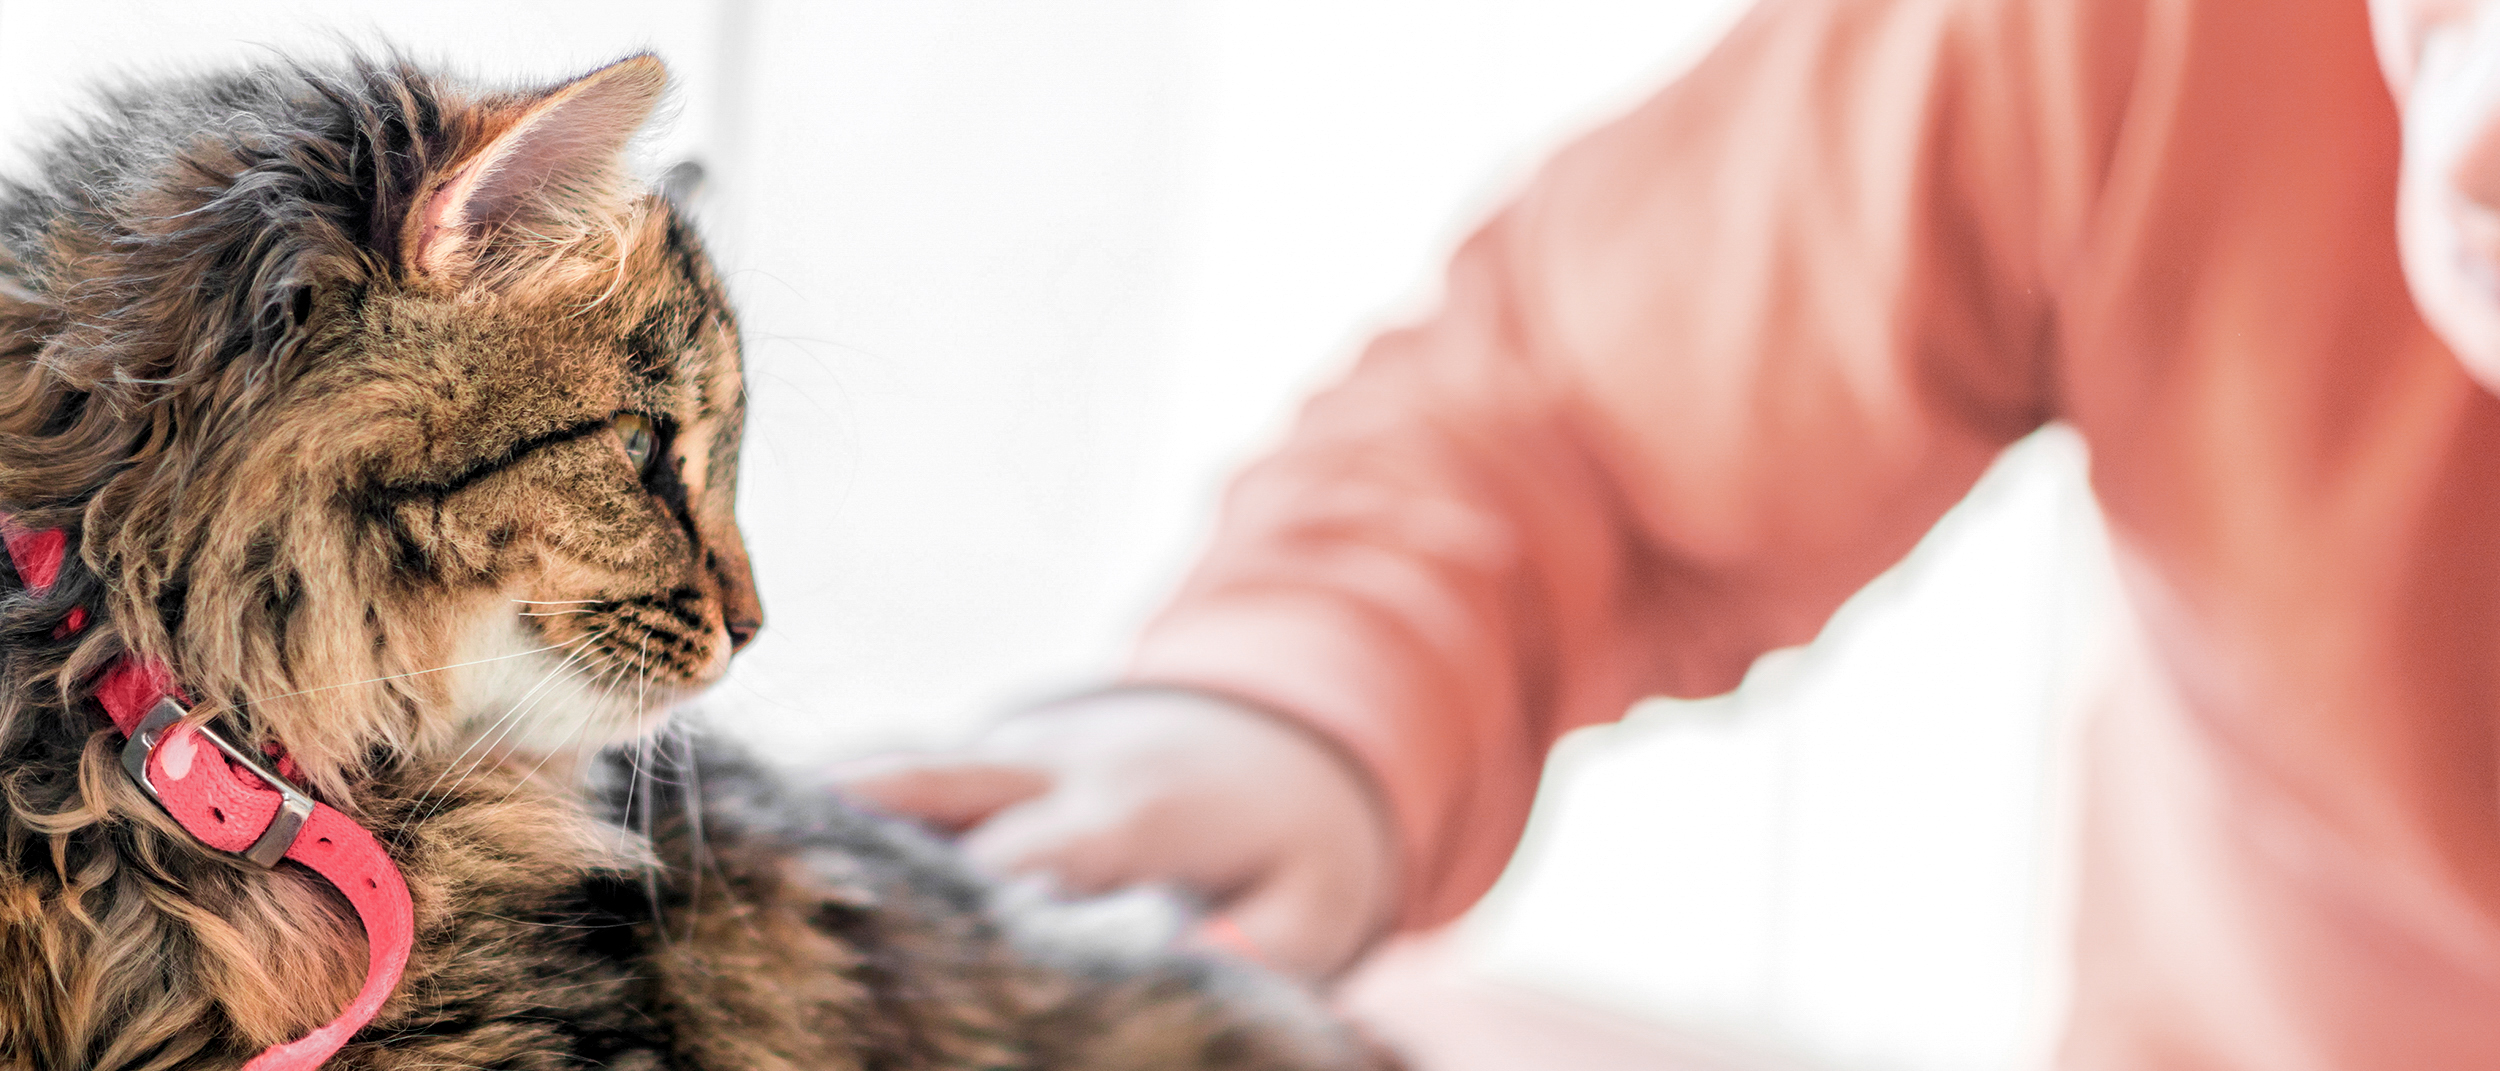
pixel 383 411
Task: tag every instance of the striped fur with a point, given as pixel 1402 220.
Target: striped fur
pixel 340 379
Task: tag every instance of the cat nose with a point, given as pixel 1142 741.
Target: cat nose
pixel 742 631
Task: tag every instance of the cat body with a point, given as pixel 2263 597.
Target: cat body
pixel 401 427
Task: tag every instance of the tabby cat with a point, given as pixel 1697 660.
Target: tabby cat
pixel 398 423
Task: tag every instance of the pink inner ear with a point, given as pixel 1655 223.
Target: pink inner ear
pixel 442 224
pixel 561 148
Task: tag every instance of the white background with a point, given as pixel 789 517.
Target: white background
pixel 1022 281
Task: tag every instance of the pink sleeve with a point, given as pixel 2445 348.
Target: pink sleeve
pixel 1725 361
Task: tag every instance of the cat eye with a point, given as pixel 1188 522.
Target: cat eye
pixel 636 433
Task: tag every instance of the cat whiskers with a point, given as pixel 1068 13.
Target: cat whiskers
pixel 641 766
pixel 540 696
pixel 479 764
pixel 588 681
pixel 592 678
pixel 589 606
pixel 697 854
pixel 503 724
pixel 561 747
pixel 397 676
pixel 500 729
pixel 642 690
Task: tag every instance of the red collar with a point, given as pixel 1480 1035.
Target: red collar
pixel 235 802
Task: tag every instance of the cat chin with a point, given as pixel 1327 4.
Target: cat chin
pixel 527 701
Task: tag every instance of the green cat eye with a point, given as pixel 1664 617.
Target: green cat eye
pixel 635 432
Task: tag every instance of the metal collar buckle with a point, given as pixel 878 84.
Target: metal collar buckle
pixel 293 806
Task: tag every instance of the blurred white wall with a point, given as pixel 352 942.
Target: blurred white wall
pixel 1021 282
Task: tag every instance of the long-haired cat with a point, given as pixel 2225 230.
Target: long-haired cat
pixel 400 427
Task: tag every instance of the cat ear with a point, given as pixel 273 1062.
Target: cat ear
pixel 682 183
pixel 562 148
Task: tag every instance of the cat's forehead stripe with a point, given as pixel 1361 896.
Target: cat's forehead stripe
pixel 683 334
pixel 653 347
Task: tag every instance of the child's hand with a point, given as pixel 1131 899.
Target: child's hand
pixel 1272 829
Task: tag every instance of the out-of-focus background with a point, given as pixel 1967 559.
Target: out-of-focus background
pixel 1022 281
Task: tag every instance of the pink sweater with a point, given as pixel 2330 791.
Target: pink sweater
pixel 1730 357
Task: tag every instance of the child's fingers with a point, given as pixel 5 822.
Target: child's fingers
pixel 950 793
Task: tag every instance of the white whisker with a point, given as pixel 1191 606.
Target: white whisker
pixel 696 856
pixel 650 824
pixel 398 676
pixel 480 762
pixel 561 747
pixel 510 719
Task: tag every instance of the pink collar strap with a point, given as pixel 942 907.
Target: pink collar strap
pixel 236 802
